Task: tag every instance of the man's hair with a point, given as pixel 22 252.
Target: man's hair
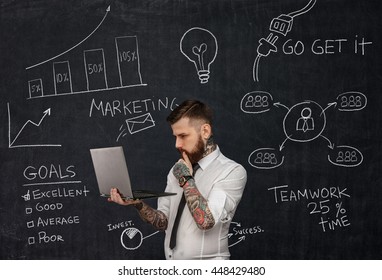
pixel 192 109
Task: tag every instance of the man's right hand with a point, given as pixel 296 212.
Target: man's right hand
pixel 148 214
pixel 116 197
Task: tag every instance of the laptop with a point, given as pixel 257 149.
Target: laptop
pixel 111 171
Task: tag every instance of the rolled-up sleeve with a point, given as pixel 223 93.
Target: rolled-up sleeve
pixel 226 194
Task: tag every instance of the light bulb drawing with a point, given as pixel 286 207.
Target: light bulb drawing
pixel 200 47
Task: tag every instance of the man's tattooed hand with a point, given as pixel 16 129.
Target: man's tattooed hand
pixel 180 170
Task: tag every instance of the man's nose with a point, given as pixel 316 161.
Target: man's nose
pixel 178 143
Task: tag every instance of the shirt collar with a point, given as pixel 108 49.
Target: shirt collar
pixel 204 162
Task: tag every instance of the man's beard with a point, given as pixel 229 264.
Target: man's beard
pixel 197 153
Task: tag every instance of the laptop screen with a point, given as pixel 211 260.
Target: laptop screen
pixel 111 170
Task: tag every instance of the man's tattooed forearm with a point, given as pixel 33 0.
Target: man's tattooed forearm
pixel 198 206
pixel 154 217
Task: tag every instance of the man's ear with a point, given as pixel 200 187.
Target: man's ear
pixel 206 131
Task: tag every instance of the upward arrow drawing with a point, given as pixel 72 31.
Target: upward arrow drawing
pixel 68 50
pixel 45 113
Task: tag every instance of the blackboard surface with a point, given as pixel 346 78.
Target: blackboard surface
pixel 296 89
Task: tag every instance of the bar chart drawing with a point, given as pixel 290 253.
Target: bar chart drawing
pixel 35 88
pixel 128 60
pixel 95 67
pixel 62 78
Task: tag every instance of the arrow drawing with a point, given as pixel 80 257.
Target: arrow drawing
pixel 236 224
pixel 242 238
pixel 46 113
pixel 278 104
pixel 329 105
pixel 331 145
pixel 283 143
pixel 68 50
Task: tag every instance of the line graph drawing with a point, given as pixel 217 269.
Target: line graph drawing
pixel 75 46
pixel 11 143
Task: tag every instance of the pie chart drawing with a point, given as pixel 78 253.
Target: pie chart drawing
pixel 131 238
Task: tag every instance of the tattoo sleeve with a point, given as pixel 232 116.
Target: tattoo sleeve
pixel 198 206
pixel 152 216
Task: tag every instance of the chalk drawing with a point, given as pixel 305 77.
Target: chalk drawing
pixel 200 47
pixel 280 25
pixel 11 142
pixel 303 122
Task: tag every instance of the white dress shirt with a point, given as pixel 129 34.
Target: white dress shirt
pixel 221 182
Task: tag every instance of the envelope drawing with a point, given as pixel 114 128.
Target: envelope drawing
pixel 139 123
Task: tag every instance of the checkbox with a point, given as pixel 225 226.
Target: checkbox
pixel 30 224
pixel 31 240
pixel 28 210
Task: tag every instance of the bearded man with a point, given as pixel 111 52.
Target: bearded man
pixel 210 184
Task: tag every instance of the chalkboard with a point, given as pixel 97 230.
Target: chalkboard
pixel 296 90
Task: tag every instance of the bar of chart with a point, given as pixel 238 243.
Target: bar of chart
pixel 96 71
